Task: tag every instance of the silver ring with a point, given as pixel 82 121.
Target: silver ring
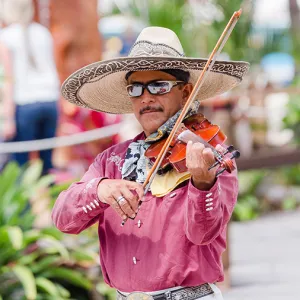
pixel 120 200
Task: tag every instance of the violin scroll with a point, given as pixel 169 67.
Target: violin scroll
pixel 225 163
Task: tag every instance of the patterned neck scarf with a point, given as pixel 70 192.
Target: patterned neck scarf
pixel 134 167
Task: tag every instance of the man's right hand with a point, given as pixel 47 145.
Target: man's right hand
pixel 122 195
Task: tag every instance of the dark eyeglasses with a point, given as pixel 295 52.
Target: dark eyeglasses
pixel 155 87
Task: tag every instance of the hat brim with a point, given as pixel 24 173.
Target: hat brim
pixel 101 86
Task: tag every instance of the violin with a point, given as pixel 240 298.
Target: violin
pixel 195 128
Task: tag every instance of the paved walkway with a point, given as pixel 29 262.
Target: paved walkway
pixel 265 258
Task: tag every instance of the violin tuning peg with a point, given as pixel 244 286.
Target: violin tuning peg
pixel 229 149
pixel 235 154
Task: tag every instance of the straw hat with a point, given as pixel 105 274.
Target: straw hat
pixel 101 86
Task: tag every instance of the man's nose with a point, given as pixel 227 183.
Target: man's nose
pixel 147 97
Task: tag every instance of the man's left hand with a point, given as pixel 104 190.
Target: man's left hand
pixel 198 160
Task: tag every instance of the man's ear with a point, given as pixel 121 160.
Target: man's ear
pixel 186 91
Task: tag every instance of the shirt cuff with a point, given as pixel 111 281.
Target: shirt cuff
pixel 206 201
pixel 93 204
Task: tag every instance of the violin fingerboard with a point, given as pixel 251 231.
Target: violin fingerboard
pixel 188 135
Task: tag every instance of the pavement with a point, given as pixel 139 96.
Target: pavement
pixel 265 258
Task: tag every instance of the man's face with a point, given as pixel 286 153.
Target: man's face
pixel 154 110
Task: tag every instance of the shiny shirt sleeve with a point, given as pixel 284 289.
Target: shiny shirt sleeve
pixel 208 212
pixel 79 207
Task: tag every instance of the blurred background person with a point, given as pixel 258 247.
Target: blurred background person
pixel 30 100
pixel 73 51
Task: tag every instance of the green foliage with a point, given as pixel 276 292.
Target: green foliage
pixel 292 118
pixel 291 175
pixel 170 14
pixel 249 181
pixel 289 203
pixel 103 289
pixel 236 45
pixel 173 15
pixel 248 206
pixel 34 263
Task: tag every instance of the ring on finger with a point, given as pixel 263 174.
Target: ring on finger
pixel 121 200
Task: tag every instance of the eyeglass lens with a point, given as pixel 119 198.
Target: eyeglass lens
pixel 155 88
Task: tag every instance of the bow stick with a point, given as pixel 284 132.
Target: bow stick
pixel 208 66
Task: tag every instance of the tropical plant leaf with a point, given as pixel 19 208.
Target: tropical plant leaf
pixel 83 255
pixel 41 185
pixel 47 286
pixel 27 280
pixel 32 174
pixel 63 291
pixel 8 178
pixel 106 291
pixel 15 209
pixel 7 253
pixel 45 181
pixel 15 235
pixel 12 201
pixel 27 252
pixel 7 250
pixel 31 236
pixel 29 259
pixel 71 276
pixel 45 263
pixel 48 244
pixel 52 231
pixel 246 209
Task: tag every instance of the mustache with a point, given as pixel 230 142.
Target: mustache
pixel 150 108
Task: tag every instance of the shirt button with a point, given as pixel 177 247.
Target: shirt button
pixel 139 223
pixel 209 200
pixel 134 260
pixel 172 195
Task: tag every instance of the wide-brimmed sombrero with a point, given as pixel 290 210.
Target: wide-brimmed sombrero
pixel 101 86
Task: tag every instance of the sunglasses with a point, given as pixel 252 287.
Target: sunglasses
pixel 154 88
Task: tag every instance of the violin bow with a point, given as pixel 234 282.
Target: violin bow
pixel 208 66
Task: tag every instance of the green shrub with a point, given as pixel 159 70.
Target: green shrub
pixel 34 263
pixel 248 206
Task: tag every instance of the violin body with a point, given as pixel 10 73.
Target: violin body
pixel 176 153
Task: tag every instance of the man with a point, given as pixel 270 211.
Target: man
pixel 170 246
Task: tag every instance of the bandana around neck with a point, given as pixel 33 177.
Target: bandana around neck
pixel 135 164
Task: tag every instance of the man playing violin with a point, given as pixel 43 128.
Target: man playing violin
pixel 170 246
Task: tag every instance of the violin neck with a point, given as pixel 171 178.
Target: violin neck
pixel 188 135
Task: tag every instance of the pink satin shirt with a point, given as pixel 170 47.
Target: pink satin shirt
pixel 176 240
